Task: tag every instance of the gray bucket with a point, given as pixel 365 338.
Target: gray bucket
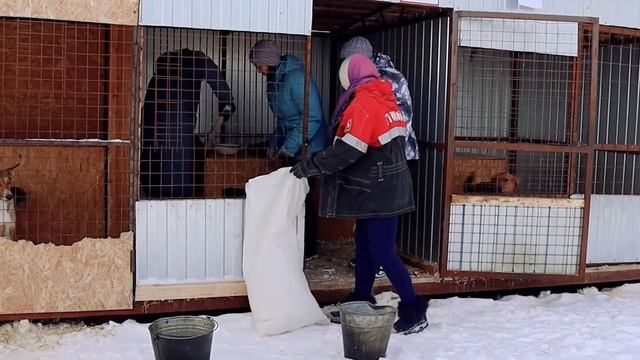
pixel 366 329
pixel 182 337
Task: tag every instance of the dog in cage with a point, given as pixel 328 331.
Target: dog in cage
pixel 8 198
pixel 503 182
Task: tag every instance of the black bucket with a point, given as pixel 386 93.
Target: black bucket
pixel 182 337
pixel 366 329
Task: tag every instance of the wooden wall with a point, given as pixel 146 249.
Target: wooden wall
pixel 54 79
pixel 90 275
pixel 109 12
pixel 65 192
pixel 68 81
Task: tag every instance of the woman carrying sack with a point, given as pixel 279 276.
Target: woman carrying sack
pixel 365 177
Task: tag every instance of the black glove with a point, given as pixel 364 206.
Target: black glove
pixel 299 170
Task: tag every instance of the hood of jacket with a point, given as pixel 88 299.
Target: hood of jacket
pixel 380 90
pixel 289 63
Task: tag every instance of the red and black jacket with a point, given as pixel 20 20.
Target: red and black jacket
pixel 365 172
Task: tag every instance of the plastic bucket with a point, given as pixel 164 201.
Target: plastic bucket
pixel 366 329
pixel 182 337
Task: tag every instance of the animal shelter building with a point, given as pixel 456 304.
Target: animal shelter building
pixel 129 128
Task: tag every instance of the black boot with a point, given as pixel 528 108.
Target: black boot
pixel 334 316
pixel 412 316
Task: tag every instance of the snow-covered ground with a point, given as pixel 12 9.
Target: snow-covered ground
pixel 590 324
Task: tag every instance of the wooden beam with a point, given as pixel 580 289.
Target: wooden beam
pixel 119 128
pixel 521 147
pixel 377 10
pixel 516 201
pixel 523 16
pixel 442 286
pixel 190 291
pixel 632 149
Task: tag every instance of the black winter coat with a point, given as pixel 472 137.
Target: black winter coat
pixel 365 178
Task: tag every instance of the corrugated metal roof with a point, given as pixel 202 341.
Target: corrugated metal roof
pixel 274 16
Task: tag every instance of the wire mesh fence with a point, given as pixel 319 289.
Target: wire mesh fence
pixel 212 118
pixel 514 238
pixel 65 99
pixel 521 153
pixel 521 80
pixel 618 119
pixel 522 103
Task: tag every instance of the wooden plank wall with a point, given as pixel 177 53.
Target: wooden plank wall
pixel 61 82
pixel 90 275
pixel 65 192
pixel 53 80
pixel 108 12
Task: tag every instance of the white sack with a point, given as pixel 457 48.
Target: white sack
pixel 273 255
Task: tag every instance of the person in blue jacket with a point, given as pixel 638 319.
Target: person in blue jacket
pixel 285 95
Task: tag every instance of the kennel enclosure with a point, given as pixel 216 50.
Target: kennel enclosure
pixel 549 99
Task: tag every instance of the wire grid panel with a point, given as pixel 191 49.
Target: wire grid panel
pixel 504 172
pixel 521 80
pixel 66 90
pixel 616 173
pixel 211 120
pixel 514 239
pixel 618 121
pixel 618 90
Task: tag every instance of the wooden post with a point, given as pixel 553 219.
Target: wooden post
pixel 119 128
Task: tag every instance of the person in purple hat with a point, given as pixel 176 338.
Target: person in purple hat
pixel 285 95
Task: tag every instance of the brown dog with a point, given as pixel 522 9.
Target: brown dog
pixel 502 183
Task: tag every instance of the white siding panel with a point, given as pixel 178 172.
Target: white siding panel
pixel 141 236
pixel 176 239
pixel 520 35
pixel 223 14
pixel 275 16
pixel 157 240
pixel 196 240
pixel 239 12
pixel 214 219
pixel 182 13
pixel 256 16
pixel 614 229
pixel 150 10
pixel 191 241
pixel 200 13
pixel 187 241
pixel 233 235
pixel 164 11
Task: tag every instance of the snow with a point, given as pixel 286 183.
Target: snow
pixel 588 324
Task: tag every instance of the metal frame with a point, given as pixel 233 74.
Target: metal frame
pixel 325 296
pixel 572 147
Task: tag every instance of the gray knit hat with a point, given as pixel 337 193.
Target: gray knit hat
pixel 357 45
pixel 265 52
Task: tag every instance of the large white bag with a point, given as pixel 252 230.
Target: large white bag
pixel 273 255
